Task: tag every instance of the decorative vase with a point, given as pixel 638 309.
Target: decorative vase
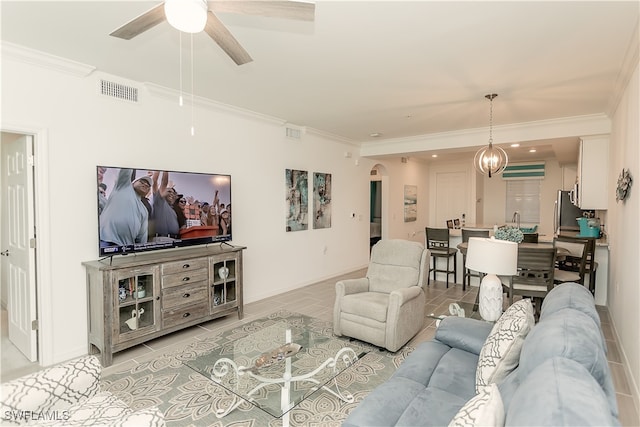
pixel 223 272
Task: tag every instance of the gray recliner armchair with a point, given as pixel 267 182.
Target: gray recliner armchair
pixel 386 308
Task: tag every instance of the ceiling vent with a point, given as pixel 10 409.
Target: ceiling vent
pixel 293 131
pixel 120 91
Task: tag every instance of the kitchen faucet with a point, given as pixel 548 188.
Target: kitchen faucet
pixel 516 218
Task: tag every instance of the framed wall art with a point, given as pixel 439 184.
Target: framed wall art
pixel 297 199
pixel 410 203
pixel 321 200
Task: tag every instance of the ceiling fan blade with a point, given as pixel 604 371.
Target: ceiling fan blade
pixel 140 24
pixel 300 11
pixel 221 35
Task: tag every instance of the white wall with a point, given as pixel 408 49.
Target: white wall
pixel 400 174
pixel 83 129
pixel 624 231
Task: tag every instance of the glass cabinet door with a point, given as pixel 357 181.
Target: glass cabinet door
pixel 223 288
pixel 137 299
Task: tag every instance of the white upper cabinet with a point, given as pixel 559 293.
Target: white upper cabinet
pixel 593 172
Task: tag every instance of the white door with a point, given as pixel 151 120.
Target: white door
pixel 452 195
pixel 18 241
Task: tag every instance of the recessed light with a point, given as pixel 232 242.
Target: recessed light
pixel 533 150
pixel 434 155
pixel 515 145
pixel 375 134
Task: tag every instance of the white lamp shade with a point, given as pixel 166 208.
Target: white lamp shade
pixel 491 256
pixel 189 16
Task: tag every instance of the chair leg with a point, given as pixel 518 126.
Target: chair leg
pixel 455 269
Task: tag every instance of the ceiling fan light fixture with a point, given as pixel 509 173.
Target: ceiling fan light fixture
pixel 188 16
pixel 491 160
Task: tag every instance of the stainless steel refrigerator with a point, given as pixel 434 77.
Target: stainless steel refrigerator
pixel 565 213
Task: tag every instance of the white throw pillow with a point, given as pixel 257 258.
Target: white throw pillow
pixel 500 353
pixel 484 409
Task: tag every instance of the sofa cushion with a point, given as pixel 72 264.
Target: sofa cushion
pixel 575 296
pixel 484 409
pixel 570 334
pixel 403 402
pixel 559 392
pixel 396 263
pixel 370 305
pixel 463 333
pixel 501 351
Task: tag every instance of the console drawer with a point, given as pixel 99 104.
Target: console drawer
pixel 182 295
pixel 184 314
pixel 185 278
pixel 186 266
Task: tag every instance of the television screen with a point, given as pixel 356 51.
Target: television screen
pixel 142 210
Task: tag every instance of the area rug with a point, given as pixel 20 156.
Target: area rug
pixel 188 399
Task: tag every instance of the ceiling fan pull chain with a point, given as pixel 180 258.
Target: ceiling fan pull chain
pixel 180 102
pixel 193 130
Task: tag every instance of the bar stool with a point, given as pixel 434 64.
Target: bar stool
pixel 467 274
pixel 438 245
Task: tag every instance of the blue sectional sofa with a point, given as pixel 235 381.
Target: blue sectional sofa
pixel 562 375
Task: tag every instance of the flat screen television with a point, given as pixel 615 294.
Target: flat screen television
pixel 146 209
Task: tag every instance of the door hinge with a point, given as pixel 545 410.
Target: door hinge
pixel 32 243
pixel 34 325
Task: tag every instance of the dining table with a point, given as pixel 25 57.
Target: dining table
pixel 560 254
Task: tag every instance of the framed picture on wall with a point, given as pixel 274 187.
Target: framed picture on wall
pixel 297 199
pixel 410 203
pixel 321 200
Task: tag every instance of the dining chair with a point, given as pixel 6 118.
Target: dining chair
pixel 590 265
pixel 530 238
pixel 535 277
pixel 467 274
pixel 570 266
pixel 437 242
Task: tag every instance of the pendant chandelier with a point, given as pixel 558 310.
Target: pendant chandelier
pixel 491 160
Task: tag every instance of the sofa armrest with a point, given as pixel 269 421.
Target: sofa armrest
pixel 54 388
pixel 463 333
pixel 400 296
pixel 352 286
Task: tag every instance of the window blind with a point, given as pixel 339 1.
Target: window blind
pixel 524 171
pixel 523 195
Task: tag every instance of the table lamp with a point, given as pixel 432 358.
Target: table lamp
pixel 493 257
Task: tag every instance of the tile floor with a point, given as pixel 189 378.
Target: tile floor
pixel 317 300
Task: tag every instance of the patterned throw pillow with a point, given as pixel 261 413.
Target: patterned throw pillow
pixel 500 353
pixel 484 409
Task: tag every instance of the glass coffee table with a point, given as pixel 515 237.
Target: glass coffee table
pixel 278 366
pixel 460 309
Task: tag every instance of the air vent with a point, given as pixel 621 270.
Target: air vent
pixel 374 172
pixel 294 131
pixel 120 91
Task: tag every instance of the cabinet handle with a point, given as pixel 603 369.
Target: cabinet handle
pixel 186 315
pixel 186 279
pixel 186 266
pixel 157 298
pixel 186 295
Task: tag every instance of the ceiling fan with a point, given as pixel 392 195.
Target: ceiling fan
pixel 214 27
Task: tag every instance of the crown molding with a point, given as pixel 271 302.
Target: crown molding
pixel 592 124
pixel 166 93
pixel 11 51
